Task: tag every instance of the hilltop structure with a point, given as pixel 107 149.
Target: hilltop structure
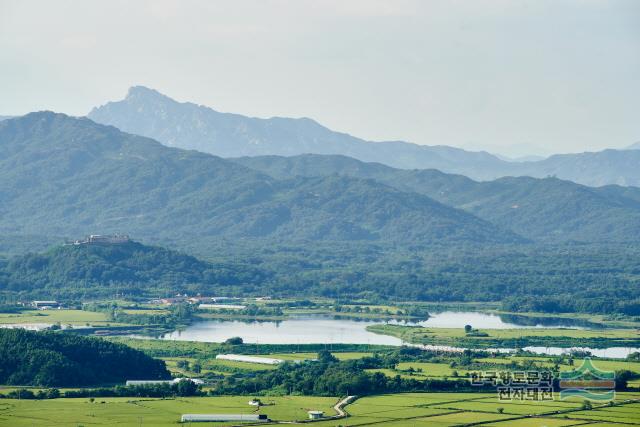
pixel 98 239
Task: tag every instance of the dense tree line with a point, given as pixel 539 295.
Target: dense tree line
pixel 53 359
pixel 587 278
pixel 181 388
pixel 568 278
pixel 330 377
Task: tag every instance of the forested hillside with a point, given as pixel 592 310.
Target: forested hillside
pixel 547 209
pixel 310 225
pixel 578 278
pixel 133 269
pixel 53 359
pixel 65 176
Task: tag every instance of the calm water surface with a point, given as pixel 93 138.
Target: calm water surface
pixel 458 319
pixel 319 329
pixel 296 330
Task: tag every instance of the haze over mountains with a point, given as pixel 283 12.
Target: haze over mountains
pixel 65 176
pixel 70 176
pixel 185 125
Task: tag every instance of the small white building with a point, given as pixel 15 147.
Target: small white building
pixel 315 415
pixel 222 306
pixel 147 382
pixel 45 305
pixel 249 359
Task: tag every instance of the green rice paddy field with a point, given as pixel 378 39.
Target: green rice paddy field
pixel 407 409
pixel 71 317
pixel 456 409
pixel 137 412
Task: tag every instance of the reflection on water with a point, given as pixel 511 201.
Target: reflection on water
pixel 296 330
pixel 549 322
pixel 321 329
pixel 458 319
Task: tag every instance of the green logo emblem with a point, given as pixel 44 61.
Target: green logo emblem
pixel 588 382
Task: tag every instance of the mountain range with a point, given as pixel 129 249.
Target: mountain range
pixel 546 209
pixel 186 125
pixel 67 176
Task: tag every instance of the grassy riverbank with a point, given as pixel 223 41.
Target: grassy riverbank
pixel 512 338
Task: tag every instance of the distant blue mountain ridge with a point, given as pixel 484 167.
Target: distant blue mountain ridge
pixel 149 113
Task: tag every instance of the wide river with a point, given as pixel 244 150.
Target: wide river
pixel 314 329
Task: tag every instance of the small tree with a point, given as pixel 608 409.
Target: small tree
pixel 234 341
pixel 185 388
pixel 468 328
pixel 325 356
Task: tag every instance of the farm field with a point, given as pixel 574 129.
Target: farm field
pixel 455 409
pixel 72 317
pixel 219 367
pixel 548 362
pixel 204 354
pixel 136 412
pixel 224 367
pixel 403 409
pixel 431 369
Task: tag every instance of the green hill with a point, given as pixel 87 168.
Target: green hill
pixel 129 268
pixel 69 176
pixel 53 359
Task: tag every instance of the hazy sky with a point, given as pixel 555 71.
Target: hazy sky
pixel 518 77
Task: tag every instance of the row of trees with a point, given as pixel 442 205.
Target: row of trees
pixel 581 278
pixel 330 377
pixel 181 388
